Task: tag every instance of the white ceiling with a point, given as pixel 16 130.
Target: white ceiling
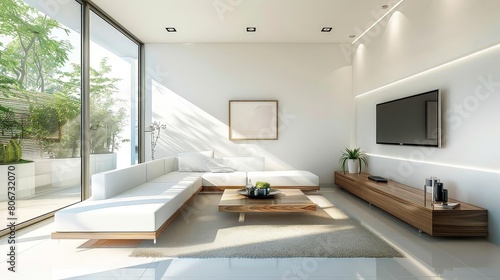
pixel 280 21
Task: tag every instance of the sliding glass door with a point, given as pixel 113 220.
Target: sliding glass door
pixel 42 105
pixel 113 97
pixel 39 108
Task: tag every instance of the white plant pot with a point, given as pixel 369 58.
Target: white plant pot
pixel 25 180
pixel 65 172
pixel 353 165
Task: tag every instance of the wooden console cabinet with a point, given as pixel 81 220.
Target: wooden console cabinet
pixel 407 204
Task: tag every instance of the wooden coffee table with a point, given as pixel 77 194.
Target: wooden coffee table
pixel 289 200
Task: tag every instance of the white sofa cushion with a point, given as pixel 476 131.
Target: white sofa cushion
pixel 177 176
pixel 144 208
pixel 111 183
pixel 216 166
pixel 178 193
pixel 237 178
pixel 289 178
pixel 171 164
pixel 192 179
pixel 244 163
pixel 155 169
pixel 194 161
pixel 111 215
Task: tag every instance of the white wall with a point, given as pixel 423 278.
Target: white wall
pixel 191 85
pixel 423 34
pixel 452 46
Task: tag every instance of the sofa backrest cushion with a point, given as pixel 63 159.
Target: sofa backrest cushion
pixel 216 165
pixel 244 163
pixel 194 161
pixel 171 164
pixel 111 183
pixel 154 169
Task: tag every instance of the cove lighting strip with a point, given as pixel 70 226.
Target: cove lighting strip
pixel 381 18
pixel 438 164
pixel 433 68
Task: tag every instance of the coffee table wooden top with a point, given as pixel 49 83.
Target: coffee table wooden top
pixel 289 200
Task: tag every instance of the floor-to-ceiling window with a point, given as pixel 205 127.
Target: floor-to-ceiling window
pixel 39 109
pixel 113 96
pixel 42 104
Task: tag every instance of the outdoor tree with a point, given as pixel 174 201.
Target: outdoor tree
pixel 29 55
pixel 48 117
pixel 32 55
pixel 107 113
pixel 33 61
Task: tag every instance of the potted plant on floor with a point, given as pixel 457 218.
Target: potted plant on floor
pixel 354 159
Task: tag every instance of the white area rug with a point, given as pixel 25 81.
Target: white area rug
pixel 201 231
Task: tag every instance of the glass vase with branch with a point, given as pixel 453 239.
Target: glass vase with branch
pixel 155 129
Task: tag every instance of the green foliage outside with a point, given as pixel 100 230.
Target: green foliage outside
pixel 10 152
pixel 33 61
pixel 17 148
pixel 33 54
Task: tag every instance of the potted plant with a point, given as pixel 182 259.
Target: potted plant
pixel 11 152
pixel 22 171
pixel 354 159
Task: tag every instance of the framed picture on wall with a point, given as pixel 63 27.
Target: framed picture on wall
pixel 253 119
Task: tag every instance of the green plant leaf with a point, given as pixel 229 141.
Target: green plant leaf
pixel 355 153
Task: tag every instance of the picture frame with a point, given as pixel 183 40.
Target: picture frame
pixel 253 119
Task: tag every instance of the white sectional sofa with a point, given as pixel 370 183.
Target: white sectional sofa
pixel 139 201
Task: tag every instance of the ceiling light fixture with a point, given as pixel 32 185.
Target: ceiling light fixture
pixel 381 18
pixel 171 29
pixel 326 29
pixel 251 29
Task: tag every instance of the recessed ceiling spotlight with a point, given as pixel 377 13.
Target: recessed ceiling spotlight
pixel 385 6
pixel 352 36
pixel 171 29
pixel 326 29
pixel 251 29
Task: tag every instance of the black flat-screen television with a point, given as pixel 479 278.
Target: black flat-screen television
pixel 414 120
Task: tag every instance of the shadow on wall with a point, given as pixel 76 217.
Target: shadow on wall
pixel 189 128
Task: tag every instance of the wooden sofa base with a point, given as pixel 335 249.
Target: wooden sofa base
pixel 146 235
pixel 222 188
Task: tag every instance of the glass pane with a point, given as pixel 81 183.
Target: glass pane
pixel 39 107
pixel 113 97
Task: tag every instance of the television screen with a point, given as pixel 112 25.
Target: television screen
pixel 413 120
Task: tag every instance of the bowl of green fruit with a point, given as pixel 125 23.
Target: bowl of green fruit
pixel 260 190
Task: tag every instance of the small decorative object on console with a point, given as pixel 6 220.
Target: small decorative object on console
pixel 432 183
pixel 439 193
pixel 377 179
pixel 445 204
pixel 449 205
